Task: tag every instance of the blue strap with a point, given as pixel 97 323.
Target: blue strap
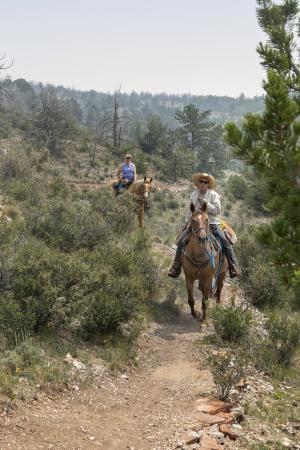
pixel 215 279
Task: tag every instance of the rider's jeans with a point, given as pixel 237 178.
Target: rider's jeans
pixel 181 242
pixel 119 187
pixel 226 246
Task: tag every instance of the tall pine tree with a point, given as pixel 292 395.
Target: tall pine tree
pixel 270 142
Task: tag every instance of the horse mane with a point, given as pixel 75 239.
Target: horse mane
pixel 135 188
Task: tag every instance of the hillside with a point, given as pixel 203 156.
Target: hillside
pixel 136 106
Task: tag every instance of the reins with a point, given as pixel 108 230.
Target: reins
pixel 203 241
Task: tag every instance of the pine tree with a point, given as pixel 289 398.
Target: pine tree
pixel 270 142
pixel 203 137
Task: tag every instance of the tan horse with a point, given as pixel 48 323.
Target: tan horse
pixel 201 262
pixel 141 191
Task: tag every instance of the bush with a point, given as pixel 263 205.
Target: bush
pixel 231 324
pixel 124 279
pixel 284 337
pixel 14 165
pixel 237 186
pixel 277 346
pixel 23 356
pixel 74 262
pixel 173 204
pixel 227 369
pixel 260 279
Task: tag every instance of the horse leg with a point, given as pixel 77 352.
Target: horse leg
pixel 204 308
pixel 190 290
pixel 205 294
pixel 141 216
pixel 220 286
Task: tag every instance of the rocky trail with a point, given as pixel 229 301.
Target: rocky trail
pixel 145 408
pixel 164 403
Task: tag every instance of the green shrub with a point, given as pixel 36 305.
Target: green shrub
pixel 284 337
pixel 15 322
pixel 277 346
pixel 23 356
pixel 72 261
pixel 14 165
pixel 231 324
pixel 66 224
pixel 237 186
pixel 227 368
pixel 173 204
pixel 260 279
pixel 124 278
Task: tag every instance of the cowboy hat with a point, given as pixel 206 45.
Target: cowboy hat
pixel 199 176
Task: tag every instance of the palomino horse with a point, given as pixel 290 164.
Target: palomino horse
pixel 200 261
pixel 140 190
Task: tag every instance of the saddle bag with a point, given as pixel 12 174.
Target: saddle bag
pixel 229 232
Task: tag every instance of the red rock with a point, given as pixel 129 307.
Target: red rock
pixel 209 443
pixel 197 427
pixel 228 431
pixel 212 405
pixel 190 437
pixel 229 417
pixel 209 419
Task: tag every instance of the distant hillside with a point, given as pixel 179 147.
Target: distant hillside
pixel 139 106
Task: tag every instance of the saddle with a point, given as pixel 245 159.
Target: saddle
pixel 229 232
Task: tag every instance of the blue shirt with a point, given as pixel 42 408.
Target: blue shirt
pixel 128 171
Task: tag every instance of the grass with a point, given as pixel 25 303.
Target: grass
pixel 267 446
pixel 118 351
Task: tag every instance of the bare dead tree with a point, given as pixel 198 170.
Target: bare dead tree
pixel 52 123
pixel 3 67
pixel 102 135
pixel 117 121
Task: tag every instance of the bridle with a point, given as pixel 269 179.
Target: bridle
pixel 200 239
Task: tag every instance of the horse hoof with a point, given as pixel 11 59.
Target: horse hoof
pixel 197 316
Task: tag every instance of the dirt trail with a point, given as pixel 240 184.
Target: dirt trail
pixel 91 185
pixel 146 408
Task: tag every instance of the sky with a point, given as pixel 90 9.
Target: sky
pixel 202 47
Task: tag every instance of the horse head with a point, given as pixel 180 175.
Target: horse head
pixel 147 187
pixel 199 223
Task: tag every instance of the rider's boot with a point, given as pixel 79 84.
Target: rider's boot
pixel 234 270
pixel 175 270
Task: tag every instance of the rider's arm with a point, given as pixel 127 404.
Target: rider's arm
pixel 134 176
pixel 214 205
pixel 119 173
pixel 193 199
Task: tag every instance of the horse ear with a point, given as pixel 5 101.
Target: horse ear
pixel 151 179
pixel 204 207
pixel 145 178
pixel 192 207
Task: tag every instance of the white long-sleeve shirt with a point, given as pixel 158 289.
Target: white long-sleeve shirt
pixel 212 199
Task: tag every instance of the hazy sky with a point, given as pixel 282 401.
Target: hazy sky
pixel 174 46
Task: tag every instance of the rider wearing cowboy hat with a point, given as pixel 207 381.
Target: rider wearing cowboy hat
pixel 205 193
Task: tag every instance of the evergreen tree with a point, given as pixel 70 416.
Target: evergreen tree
pixel 203 137
pixel 194 126
pixel 179 159
pixel 154 135
pixel 270 142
